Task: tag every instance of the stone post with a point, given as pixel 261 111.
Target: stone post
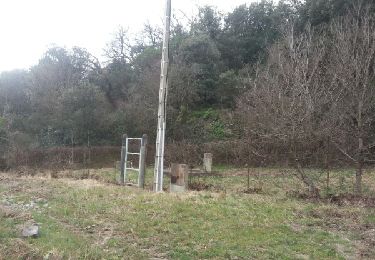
pixel 179 177
pixel 207 162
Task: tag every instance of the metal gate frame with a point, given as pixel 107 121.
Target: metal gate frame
pixel 141 161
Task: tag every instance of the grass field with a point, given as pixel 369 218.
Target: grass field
pixel 93 218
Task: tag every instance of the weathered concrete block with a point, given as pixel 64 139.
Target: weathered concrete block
pixel 179 177
pixel 207 162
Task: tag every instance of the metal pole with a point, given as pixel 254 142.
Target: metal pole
pixel 160 138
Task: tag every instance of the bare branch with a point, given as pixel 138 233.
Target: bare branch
pixel 343 151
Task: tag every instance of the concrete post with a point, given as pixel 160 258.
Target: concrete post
pixel 179 177
pixel 142 162
pixel 123 160
pixel 207 162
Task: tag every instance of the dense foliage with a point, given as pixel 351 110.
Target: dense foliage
pixel 69 96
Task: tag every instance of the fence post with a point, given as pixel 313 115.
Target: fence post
pixel 123 162
pixel 179 177
pixel 142 162
pixel 207 162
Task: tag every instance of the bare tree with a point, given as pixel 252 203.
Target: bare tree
pixel 119 49
pixel 152 34
pixel 284 103
pixel 317 88
pixel 352 68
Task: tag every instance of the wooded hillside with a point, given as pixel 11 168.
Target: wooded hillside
pixel 285 82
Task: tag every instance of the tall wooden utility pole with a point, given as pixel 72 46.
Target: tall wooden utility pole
pixel 160 138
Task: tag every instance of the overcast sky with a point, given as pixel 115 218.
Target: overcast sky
pixel 28 27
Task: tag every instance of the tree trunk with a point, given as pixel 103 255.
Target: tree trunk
pixel 358 174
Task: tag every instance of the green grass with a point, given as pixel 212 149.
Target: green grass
pixel 97 220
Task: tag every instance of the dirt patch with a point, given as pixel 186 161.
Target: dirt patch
pixel 339 200
pixel 19 249
pixel 368 242
pixel 349 199
pixel 7 212
pixel 253 190
pixel 344 219
pixel 199 186
pixel 301 195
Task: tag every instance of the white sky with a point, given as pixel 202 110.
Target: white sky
pixel 28 27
